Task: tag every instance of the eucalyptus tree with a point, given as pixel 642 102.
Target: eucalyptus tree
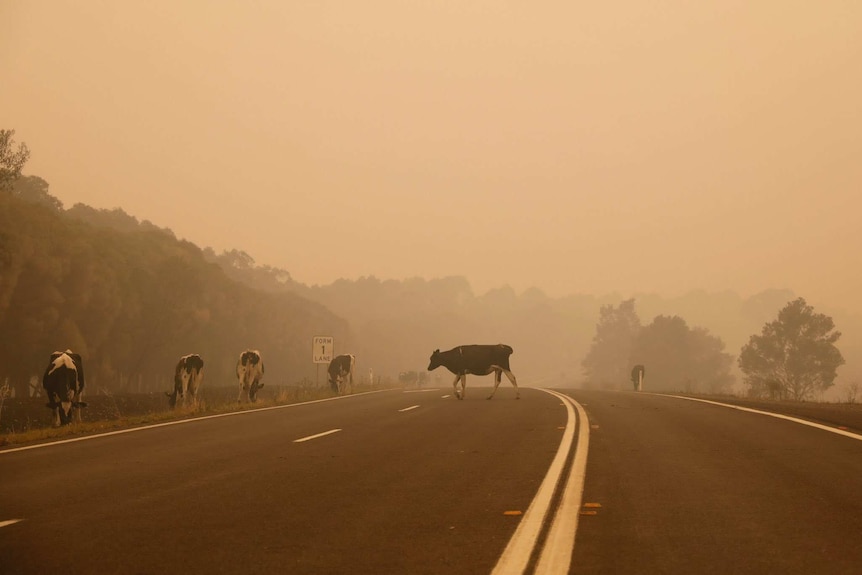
pixel 794 356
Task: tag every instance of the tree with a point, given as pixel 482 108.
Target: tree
pixel 34 189
pixel 11 161
pixel 682 358
pixel 794 356
pixel 607 361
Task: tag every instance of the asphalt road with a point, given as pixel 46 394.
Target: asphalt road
pixel 421 483
pixel 400 483
pixel 689 487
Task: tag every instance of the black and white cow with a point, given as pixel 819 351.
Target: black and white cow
pixel 340 367
pixel 64 385
pixel 249 371
pixel 188 378
pixel 475 360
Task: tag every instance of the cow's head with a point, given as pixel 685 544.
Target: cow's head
pixel 436 360
pixel 252 391
pixel 62 411
pixel 172 398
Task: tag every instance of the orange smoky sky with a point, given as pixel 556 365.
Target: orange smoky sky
pixel 578 147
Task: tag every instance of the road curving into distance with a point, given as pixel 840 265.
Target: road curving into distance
pixel 568 481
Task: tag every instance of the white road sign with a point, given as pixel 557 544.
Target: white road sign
pixel 321 348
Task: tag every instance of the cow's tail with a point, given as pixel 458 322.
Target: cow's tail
pixel 507 348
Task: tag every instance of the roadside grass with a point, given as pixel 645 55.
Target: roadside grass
pixel 217 401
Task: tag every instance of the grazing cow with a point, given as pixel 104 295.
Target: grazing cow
pixel 476 360
pixel 188 377
pixel 249 371
pixel 638 377
pixel 340 367
pixel 64 385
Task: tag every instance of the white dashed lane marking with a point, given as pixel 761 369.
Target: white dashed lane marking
pixel 9 522
pixel 409 408
pixel 315 436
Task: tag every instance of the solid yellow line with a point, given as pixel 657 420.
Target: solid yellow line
pixel 556 555
pixel 516 556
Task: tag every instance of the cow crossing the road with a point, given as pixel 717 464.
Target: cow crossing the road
pixel 475 360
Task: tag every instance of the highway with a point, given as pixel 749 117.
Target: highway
pixel 689 487
pixel 388 482
pixel 396 482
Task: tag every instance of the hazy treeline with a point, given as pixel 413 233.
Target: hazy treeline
pixel 691 342
pixel 131 298
pixel 132 302
pixel 398 324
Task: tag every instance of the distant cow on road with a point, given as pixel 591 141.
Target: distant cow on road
pixel 249 371
pixel 475 360
pixel 188 377
pixel 64 385
pixel 340 367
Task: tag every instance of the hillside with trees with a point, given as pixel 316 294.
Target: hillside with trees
pixel 131 301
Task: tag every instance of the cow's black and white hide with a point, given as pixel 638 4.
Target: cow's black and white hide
pixel 64 385
pixel 475 360
pixel 341 373
pixel 188 378
pixel 249 371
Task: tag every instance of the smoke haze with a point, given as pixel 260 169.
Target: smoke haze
pixel 577 147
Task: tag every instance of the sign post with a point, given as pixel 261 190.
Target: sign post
pixel 321 351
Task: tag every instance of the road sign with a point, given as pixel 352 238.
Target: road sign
pixel 321 348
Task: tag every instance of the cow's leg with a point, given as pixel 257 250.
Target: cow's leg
pixel 455 386
pixel 463 385
pixel 497 377
pixel 77 406
pixel 239 397
pixel 511 377
pixel 350 375
pixel 193 390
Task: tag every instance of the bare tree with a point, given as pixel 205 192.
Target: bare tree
pixel 11 161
